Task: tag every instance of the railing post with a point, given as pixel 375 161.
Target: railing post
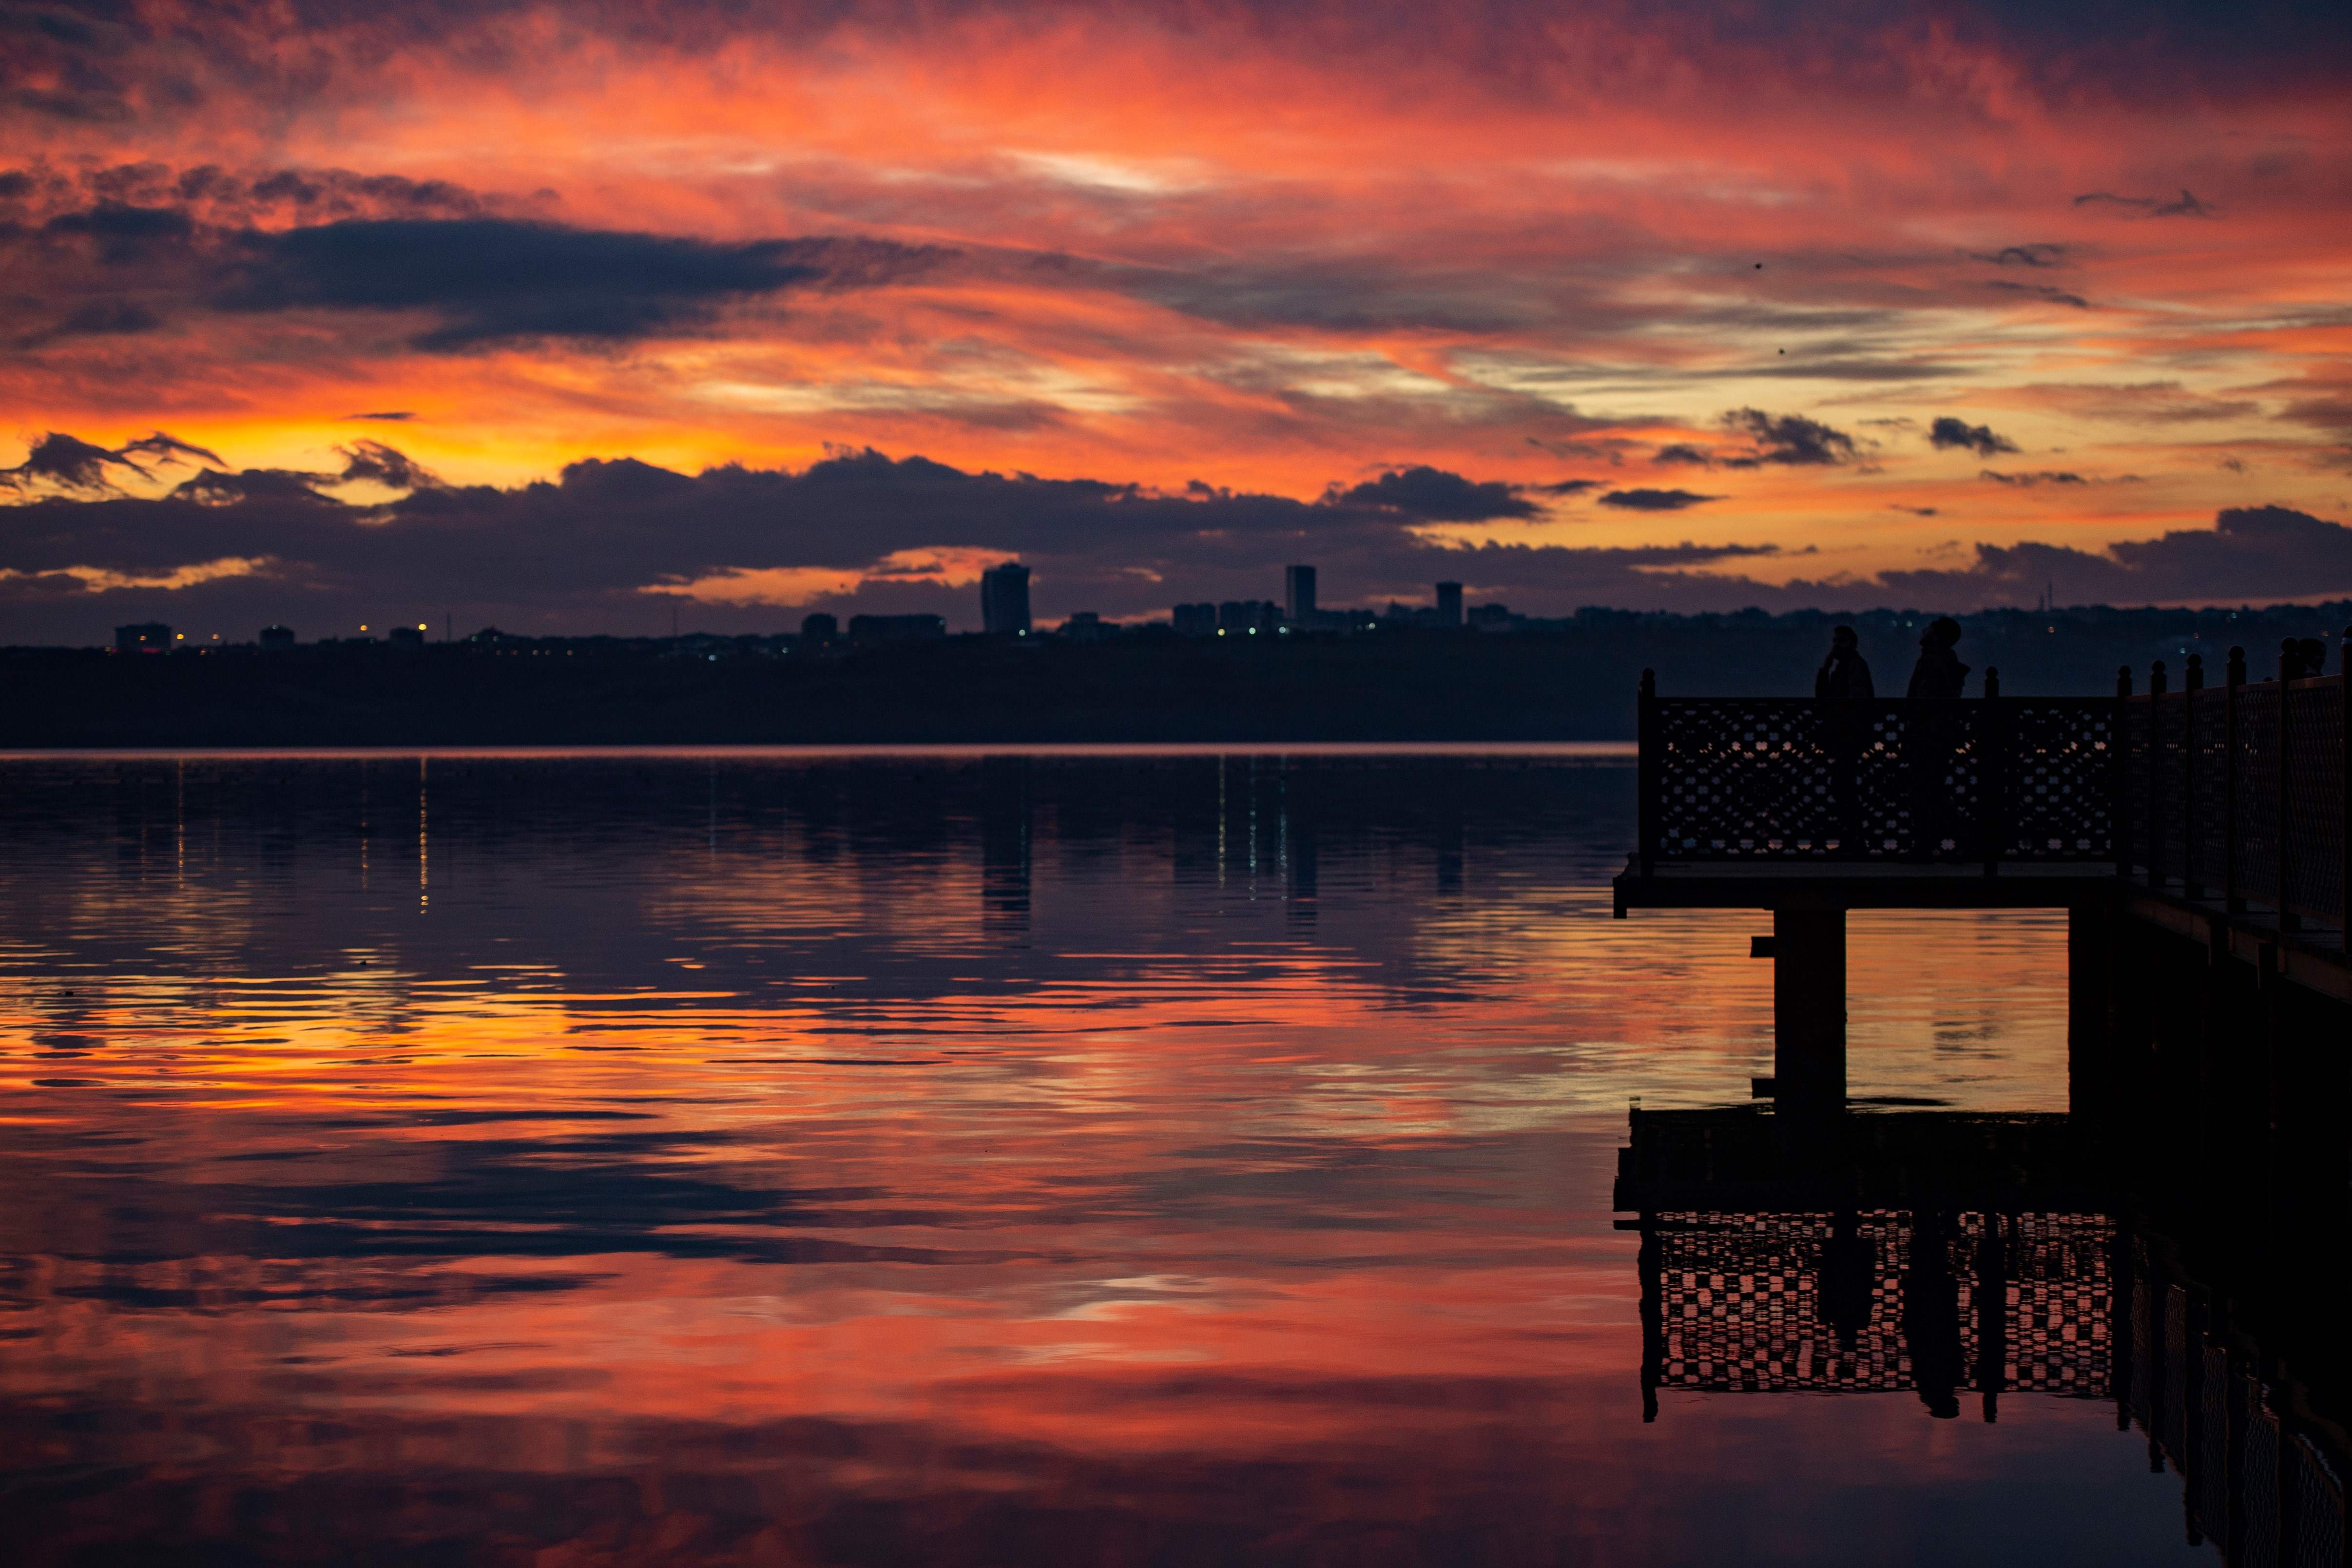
pixel 2230 897
pixel 2290 667
pixel 2116 765
pixel 2193 681
pixel 1646 770
pixel 1996 775
pixel 2344 791
pixel 2156 689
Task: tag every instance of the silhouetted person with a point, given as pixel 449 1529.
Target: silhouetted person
pixel 1931 1317
pixel 1843 673
pixel 1939 672
pixel 2305 658
pixel 1849 1269
pixel 1992 1315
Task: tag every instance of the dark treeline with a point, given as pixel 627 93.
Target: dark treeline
pixel 1572 679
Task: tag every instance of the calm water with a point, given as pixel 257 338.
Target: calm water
pixel 681 1159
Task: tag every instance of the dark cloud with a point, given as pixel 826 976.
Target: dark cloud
pixel 2251 554
pixel 66 462
pixel 1947 433
pixel 388 415
pixel 2332 410
pixel 1435 495
pixel 1683 452
pixel 2041 253
pixel 1789 438
pixel 1853 370
pixel 2149 206
pixel 2041 477
pixel 2040 292
pixel 127 250
pixel 580 553
pixel 59 462
pixel 1655 500
pixel 1565 487
pixel 124 234
pixel 215 489
pixel 100 318
pixel 384 464
pixel 363 460
pixel 272 198
pixel 603 547
pixel 1915 510
pixel 493 279
pixel 166 448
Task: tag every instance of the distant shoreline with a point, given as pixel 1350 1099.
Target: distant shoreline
pixel 1565 750
pixel 1408 687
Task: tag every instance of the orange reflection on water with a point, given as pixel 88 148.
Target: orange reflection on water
pixel 705 1174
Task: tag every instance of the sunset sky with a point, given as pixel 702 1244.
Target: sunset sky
pixel 565 317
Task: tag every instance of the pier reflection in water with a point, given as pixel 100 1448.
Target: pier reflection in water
pixel 950 1159
pixel 1942 1254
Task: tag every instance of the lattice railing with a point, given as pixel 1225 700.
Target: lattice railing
pixel 2315 824
pixel 2235 790
pixel 2059 776
pixel 1797 779
pixel 2254 815
pixel 2207 804
pixel 2239 791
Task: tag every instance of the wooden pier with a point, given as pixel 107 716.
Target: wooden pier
pixel 2196 837
pixel 2217 813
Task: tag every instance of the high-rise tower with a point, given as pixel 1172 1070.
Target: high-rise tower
pixel 1298 593
pixel 1004 599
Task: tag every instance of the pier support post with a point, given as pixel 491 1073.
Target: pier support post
pixel 1808 1009
pixel 2091 1046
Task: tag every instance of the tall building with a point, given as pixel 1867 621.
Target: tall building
pixel 1247 617
pixel 1298 593
pixel 1449 604
pixel 1005 600
pixel 276 639
pixel 1196 620
pixel 819 628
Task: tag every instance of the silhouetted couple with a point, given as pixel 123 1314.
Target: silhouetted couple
pixel 1939 673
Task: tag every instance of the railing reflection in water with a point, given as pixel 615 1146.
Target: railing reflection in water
pixel 1773 1287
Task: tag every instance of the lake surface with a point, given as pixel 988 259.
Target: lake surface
pixel 927 1158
